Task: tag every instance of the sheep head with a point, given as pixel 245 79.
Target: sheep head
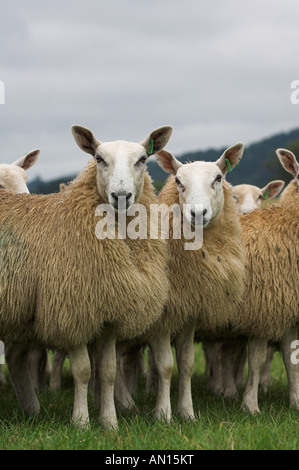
pixel 121 164
pixel 13 177
pixel 199 184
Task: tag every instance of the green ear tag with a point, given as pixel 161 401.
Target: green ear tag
pixel 151 149
pixel 228 165
pixel 266 194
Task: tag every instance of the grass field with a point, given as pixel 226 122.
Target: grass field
pixel 222 424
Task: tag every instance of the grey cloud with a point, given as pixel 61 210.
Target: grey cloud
pixel 218 72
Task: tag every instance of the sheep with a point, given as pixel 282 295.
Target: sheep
pixel 207 284
pixel 290 164
pixel 249 197
pixel 13 177
pixel 270 309
pixel 66 286
pixel 228 359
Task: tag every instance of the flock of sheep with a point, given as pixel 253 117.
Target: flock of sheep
pixel 101 301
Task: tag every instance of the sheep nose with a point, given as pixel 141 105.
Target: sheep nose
pixel 203 213
pixel 121 199
pixel 198 217
pixel 117 195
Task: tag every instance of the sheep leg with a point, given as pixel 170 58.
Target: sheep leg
pixel 56 373
pixel 266 375
pixel 163 358
pixel 240 380
pixel 257 353
pixel 232 354
pixel 215 381
pixel 80 365
pixel 184 347
pixel 151 379
pixel 141 365
pixel 2 376
pixel 133 365
pixel 121 392
pixel 128 363
pixel 38 357
pixel 291 368
pixel 18 365
pixel 230 360
pixel 106 355
pixel 208 365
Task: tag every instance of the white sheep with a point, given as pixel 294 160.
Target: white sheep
pixel 13 177
pixel 77 288
pixel 207 283
pixel 270 309
pixel 227 359
pixel 249 197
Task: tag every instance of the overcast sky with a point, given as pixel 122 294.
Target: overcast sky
pixel 219 72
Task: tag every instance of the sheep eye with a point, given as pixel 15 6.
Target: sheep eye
pixel 179 184
pixel 1 187
pixel 217 180
pixel 235 198
pixel 141 160
pixel 99 160
pixel 260 197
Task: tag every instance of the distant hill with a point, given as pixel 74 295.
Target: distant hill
pixel 38 186
pixel 258 166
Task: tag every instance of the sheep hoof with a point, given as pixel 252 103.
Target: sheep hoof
pixel 294 404
pixel 163 417
pixel 33 409
pixel 109 423
pixel 253 409
pixel 264 387
pixel 81 422
pixel 187 415
pixel 230 395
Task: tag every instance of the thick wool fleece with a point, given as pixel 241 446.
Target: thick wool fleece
pixel 60 284
pixel 207 285
pixel 290 192
pixel 270 237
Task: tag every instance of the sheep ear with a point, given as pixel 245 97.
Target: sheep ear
pixel 157 140
pixel 168 162
pixel 85 139
pixel 288 161
pixel 28 160
pixel 272 189
pixel 230 158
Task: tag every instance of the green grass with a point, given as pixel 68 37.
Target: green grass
pixel 222 424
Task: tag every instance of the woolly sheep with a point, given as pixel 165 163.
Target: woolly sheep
pixel 228 359
pixel 206 285
pixel 13 177
pixel 270 309
pixel 66 286
pixel 290 164
pixel 249 197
